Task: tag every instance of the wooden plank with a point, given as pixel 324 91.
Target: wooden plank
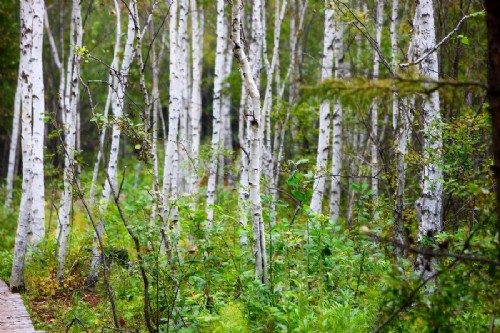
pixel 13 315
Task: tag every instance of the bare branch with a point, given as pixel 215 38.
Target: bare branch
pixel 434 49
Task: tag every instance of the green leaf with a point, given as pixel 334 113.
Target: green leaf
pixel 479 14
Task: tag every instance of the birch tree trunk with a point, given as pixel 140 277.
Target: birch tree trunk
pixel 217 119
pixel 279 137
pixel 430 204
pixel 401 130
pixel 226 132
pixel 183 57
pixel 267 156
pixel 70 123
pixel 31 212
pixel 337 125
pixel 197 19
pixel 14 141
pixel 111 94
pixel 259 246
pixel 374 106
pixel 324 114
pixel 243 193
pixel 394 61
pixel 175 105
pixel 117 102
pixel 155 95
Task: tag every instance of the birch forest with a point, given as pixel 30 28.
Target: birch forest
pixel 251 165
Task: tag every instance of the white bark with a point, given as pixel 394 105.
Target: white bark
pixel 197 19
pixel 118 105
pixel 267 155
pixel 31 212
pixel 394 60
pixel 70 123
pixel 259 246
pixel 401 129
pixel 14 141
pixel 117 102
pixel 226 173
pixel 183 57
pixel 111 94
pixel 38 206
pixel 175 106
pixel 324 115
pixel 243 190
pixel 243 186
pixel 255 52
pixel 374 106
pixel 226 131
pixel 155 94
pixel 430 205
pixel 217 119
pixel 337 126
pixel 279 134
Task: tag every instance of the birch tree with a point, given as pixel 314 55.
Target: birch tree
pixel 111 92
pixel 155 95
pixel 243 184
pixel 254 122
pixel 217 117
pixel 31 212
pixel 296 29
pixel 197 28
pixel 70 123
pixel 226 133
pixel 117 101
pixel 374 106
pixel 324 114
pixel 14 142
pixel 401 128
pixel 170 180
pixel 337 124
pixel 272 76
pixel 184 82
pixel 430 204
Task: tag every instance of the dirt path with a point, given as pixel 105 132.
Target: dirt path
pixel 13 315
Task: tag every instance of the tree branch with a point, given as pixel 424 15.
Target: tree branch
pixel 434 49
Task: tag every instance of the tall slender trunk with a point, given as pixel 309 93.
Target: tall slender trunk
pixel 70 122
pixel 183 143
pixel 226 131
pixel 401 130
pixel 31 212
pixel 267 155
pixel 197 19
pixel 117 101
pixel 324 114
pixel 14 140
pixel 243 193
pixel 259 246
pixel 337 125
pixel 155 95
pixel 374 106
pixel 175 106
pixel 111 92
pixel 217 119
pixel 430 204
pixel 296 29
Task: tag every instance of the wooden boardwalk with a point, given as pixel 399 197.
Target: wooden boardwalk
pixel 13 315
